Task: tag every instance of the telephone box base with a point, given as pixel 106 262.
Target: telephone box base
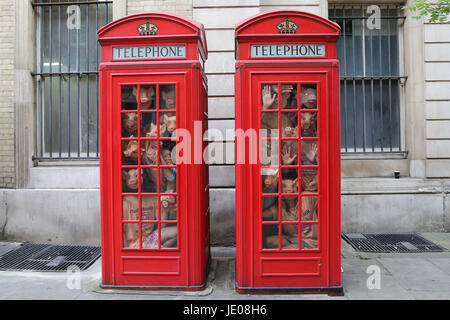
pixel 156 288
pixel 331 291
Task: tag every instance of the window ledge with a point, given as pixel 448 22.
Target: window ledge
pixel 373 155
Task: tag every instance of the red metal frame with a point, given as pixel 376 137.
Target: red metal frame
pixel 260 269
pixel 183 266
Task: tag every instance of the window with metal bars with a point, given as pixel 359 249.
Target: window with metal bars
pixel 371 79
pixel 67 77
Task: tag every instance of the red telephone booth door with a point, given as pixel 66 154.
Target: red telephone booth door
pixel 150 224
pixel 290 225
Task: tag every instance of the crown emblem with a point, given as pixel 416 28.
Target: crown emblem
pixel 147 29
pixel 287 26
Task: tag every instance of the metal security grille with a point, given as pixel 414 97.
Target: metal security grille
pixel 387 242
pixel 369 55
pixel 67 77
pixel 46 257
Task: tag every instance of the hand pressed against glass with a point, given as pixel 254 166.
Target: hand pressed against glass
pixel 269 97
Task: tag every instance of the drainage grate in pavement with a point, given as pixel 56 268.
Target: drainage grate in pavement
pixel 49 257
pixel 390 242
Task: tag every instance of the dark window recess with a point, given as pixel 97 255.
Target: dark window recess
pixel 67 77
pixel 47 257
pixel 371 79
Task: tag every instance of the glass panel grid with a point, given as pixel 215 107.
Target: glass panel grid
pixel 282 226
pixel 156 191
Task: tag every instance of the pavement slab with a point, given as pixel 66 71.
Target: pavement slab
pixel 403 276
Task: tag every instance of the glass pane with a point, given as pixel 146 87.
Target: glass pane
pixel 308 96
pixel 269 124
pixel 309 152
pixel 269 150
pixel 129 124
pixel 289 236
pixel 269 96
pixel 289 124
pixel 289 181
pixel 288 96
pixel 147 95
pixel 167 153
pixel 149 149
pixel 289 153
pixel 309 208
pixel 131 235
pixel 150 235
pixel 270 208
pixel 370 115
pixel 310 236
pixel 130 208
pixel 308 123
pixel 309 179
pixel 149 207
pixel 269 180
pixel 168 180
pixel 130 180
pixel 168 208
pixel 167 124
pixel 148 125
pixel 270 236
pixel 289 207
pixel 129 94
pixel 150 178
pixel 167 97
pixel 130 152
pixel 169 235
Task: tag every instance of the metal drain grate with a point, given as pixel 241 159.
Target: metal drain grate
pixel 49 257
pixel 390 242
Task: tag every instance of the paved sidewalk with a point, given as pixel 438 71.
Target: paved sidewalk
pixel 403 276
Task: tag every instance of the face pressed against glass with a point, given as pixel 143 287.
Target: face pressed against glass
pixel 289 181
pixel 130 152
pixel 167 124
pixel 167 98
pixel 308 96
pixel 147 97
pixel 308 124
pixel 129 124
pixel 130 180
pixel 269 180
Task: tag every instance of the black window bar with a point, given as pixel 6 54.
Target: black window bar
pixel 371 82
pixel 67 78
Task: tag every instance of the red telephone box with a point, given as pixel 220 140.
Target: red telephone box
pixel 154 186
pixel 287 154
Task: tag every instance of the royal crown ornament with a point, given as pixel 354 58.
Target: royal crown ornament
pixel 287 26
pixel 147 29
